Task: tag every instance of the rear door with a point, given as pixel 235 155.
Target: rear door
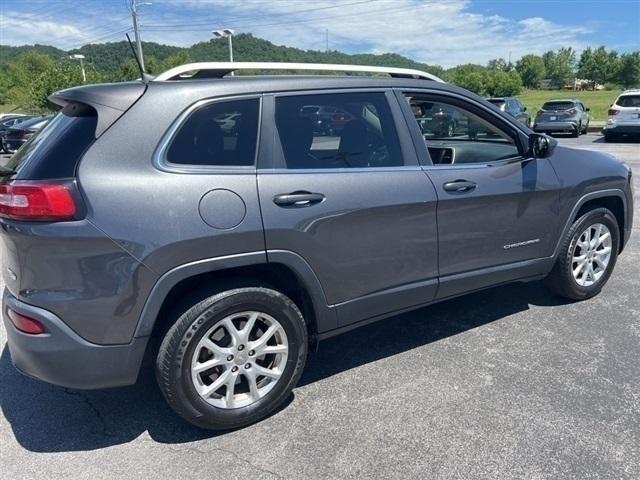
pixel 497 209
pixel 352 200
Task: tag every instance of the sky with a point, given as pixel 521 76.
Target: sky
pixel 443 32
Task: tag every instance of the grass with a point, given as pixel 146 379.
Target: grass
pixel 598 101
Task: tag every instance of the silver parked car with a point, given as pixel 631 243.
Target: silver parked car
pixel 562 116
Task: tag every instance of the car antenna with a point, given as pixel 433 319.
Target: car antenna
pixel 144 76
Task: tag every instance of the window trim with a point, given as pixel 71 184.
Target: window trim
pixel 272 159
pixel 161 162
pixel 509 125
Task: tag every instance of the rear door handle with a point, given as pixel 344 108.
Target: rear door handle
pixel 459 186
pixel 298 199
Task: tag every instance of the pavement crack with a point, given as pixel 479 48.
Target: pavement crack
pixel 229 452
pixel 92 407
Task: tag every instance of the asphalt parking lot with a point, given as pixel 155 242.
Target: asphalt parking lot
pixel 507 383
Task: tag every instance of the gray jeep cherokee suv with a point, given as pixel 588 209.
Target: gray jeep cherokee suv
pixel 208 224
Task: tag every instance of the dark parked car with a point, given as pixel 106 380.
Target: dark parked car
pixel 9 121
pixel 326 119
pixel 562 116
pixel 134 226
pixel 513 106
pixel 17 135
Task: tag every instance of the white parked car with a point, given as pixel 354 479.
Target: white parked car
pixel 623 116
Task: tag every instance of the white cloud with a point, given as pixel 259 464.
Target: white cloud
pixel 444 32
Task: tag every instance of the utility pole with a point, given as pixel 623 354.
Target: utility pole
pixel 134 14
pixel 326 40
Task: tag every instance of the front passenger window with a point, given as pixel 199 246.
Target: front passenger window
pixel 454 135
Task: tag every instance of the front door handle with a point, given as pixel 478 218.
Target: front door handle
pixel 459 186
pixel 298 199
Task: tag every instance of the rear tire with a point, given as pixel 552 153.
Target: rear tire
pixel 609 137
pixel 576 133
pixel 588 259
pixel 221 341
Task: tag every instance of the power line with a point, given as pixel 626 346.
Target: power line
pixel 291 22
pixel 251 17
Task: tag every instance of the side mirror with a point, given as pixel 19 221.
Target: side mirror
pixel 587 109
pixel 524 109
pixel 541 146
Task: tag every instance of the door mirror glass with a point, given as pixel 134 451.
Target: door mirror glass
pixel 541 146
pixel 587 109
pixel 524 109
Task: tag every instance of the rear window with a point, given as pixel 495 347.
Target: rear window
pixel 558 106
pixel 56 149
pixel 629 101
pixel 222 134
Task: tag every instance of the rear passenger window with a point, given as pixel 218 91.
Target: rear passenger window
pixel 341 130
pixel 222 134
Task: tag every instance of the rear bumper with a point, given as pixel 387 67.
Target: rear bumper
pixel 621 129
pixel 62 357
pixel 549 127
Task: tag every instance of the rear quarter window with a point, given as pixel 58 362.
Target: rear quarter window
pixel 55 150
pixel 220 134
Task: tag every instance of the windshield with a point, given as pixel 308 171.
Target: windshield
pixel 558 106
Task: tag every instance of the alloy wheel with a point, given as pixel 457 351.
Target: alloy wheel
pixel 591 254
pixel 239 360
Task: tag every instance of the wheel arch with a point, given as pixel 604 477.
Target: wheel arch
pixel 613 203
pixel 282 270
pixel 613 199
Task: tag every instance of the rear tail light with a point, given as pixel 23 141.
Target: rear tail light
pixel 572 111
pixel 612 112
pixel 25 324
pixel 36 200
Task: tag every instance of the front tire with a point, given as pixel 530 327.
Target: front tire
pixel 233 358
pixel 587 256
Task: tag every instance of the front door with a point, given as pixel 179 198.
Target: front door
pixel 497 210
pixel 344 191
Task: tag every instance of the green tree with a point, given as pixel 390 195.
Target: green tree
pixel 559 65
pixel 499 64
pixel 501 84
pixel 598 66
pixel 21 72
pixel 472 77
pixel 531 70
pixel 629 72
pixel 56 76
pixel 179 58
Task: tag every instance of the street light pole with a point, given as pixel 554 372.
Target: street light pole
pixel 227 32
pixel 80 57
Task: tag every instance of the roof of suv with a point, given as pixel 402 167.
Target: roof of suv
pixel 121 95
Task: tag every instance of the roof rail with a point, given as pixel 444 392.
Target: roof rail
pixel 220 69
